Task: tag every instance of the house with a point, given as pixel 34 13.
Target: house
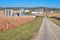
pixel 53 11
pixel 26 10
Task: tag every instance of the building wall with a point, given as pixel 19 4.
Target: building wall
pixel 2 12
pixel 16 11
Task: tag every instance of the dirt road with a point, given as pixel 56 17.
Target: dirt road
pixel 48 31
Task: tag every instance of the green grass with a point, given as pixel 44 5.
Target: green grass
pixel 56 21
pixel 23 32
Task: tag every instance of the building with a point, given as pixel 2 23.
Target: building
pixel 13 12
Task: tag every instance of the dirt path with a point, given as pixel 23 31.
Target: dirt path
pixel 48 31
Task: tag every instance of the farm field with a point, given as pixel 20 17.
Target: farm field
pixel 55 20
pixel 22 32
pixel 54 15
pixel 12 22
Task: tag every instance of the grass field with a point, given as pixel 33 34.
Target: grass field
pixel 22 32
pixel 56 21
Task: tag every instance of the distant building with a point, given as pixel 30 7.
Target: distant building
pixel 18 12
pixel 26 10
pixel 13 12
pixel 53 11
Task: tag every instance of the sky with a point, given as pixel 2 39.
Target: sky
pixel 30 3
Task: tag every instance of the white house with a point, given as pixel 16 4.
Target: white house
pixel 33 12
pixel 27 10
pixel 51 12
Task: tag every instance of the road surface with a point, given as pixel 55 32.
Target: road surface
pixel 48 31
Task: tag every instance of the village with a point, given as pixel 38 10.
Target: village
pixel 25 12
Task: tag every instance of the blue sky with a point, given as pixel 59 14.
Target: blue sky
pixel 30 3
